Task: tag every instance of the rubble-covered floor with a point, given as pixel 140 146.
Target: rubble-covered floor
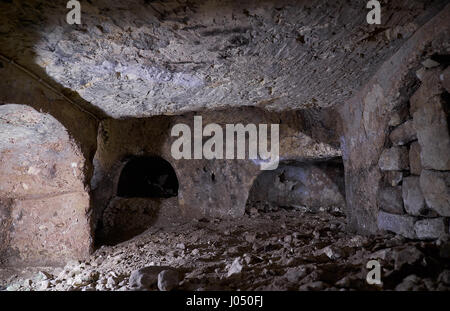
pixel 282 249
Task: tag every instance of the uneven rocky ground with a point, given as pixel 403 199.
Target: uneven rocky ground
pixel 271 249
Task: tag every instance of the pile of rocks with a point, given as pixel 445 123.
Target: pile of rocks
pixel 415 201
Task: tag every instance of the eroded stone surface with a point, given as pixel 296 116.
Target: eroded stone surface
pixel 430 228
pixel 390 200
pixel 436 190
pixel 394 159
pixel 415 164
pixel 400 224
pixel 44 203
pixel 141 59
pixel 404 133
pixel 413 197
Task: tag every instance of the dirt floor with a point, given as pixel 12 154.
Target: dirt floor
pixel 280 249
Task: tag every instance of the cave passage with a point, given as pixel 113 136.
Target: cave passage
pixel 147 177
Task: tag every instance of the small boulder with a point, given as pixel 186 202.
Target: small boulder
pixel 412 196
pixel 146 278
pixel 394 159
pixel 168 280
pixel 390 200
pixel 404 133
pixel 236 267
pixel 436 190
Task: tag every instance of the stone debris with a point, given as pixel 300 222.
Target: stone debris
pixel 320 256
pixel 429 63
pixel 235 267
pixel 168 280
pixel 145 278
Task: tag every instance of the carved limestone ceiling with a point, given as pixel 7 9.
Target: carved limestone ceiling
pixel 142 58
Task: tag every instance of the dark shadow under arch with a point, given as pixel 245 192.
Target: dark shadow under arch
pixel 147 177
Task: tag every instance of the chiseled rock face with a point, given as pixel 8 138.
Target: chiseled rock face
pixel 436 190
pixel 142 58
pixel 44 201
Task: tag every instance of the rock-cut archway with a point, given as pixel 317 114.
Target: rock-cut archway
pixel 44 205
pixel 145 183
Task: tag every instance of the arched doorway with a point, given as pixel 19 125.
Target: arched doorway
pixel 145 184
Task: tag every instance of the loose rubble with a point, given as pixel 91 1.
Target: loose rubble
pixel 286 249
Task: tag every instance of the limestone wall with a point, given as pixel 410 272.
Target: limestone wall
pixel 415 197
pixel 371 156
pixel 207 188
pixel 44 205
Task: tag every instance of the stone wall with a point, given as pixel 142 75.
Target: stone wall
pixel 207 188
pixel 44 206
pixel 365 120
pixel 49 222
pixel 415 198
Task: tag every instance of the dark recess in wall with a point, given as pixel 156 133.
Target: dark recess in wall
pixel 147 177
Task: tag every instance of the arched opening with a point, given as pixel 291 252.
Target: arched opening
pixel 147 177
pixel 310 186
pixel 146 185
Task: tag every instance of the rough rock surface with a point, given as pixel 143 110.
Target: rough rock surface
pixel 413 197
pixel 301 139
pixel 390 200
pixel 172 56
pixel 430 228
pixel 366 117
pixel 415 164
pixel 393 178
pixel 44 205
pixel 436 190
pixel 400 224
pixel 430 122
pixel 315 186
pixel 404 133
pixel 394 159
pixel 291 250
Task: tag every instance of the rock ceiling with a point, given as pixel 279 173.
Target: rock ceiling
pixel 143 58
